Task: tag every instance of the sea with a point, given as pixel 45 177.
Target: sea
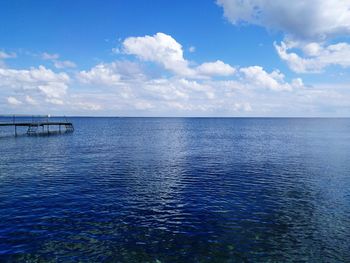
pixel 178 190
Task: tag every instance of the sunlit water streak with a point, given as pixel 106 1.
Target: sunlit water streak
pixel 178 190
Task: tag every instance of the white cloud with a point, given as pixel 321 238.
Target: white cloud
pixel 59 64
pixel 257 77
pixel 242 107
pixel 128 88
pixel 317 56
pixel 192 49
pixel 160 48
pixel 100 74
pixel 87 106
pixel 151 94
pixel 185 108
pixel 308 26
pixel 54 101
pixel 53 89
pixel 180 95
pixel 30 100
pixel 111 74
pixel 41 79
pixel 166 51
pixel 217 68
pixel 300 19
pixel 64 64
pixel 246 93
pixel 143 105
pixel 13 101
pixel 178 89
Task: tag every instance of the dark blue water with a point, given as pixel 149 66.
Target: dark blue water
pixel 178 190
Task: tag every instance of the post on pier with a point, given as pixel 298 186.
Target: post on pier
pixel 14 124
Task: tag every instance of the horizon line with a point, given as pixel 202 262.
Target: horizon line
pixel 204 117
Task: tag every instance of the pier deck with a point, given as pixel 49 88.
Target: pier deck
pixel 36 125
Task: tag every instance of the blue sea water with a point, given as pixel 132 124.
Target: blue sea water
pixel 178 190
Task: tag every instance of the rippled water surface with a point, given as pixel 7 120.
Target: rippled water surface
pixel 178 190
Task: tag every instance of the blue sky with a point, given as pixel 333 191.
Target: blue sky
pixel 175 58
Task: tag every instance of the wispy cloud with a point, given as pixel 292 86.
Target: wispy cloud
pixel 48 56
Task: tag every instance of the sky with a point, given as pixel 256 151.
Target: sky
pixel 208 58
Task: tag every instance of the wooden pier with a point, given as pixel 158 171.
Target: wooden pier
pixel 37 125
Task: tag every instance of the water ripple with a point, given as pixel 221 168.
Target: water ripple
pixel 178 190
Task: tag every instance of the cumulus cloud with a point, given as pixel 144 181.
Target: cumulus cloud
pixel 166 51
pixel 41 79
pixel 316 56
pixel 160 48
pixel 180 95
pixel 135 91
pixel 242 107
pixel 258 77
pixel 53 89
pixel 178 89
pixel 217 68
pixel 307 26
pixel 100 74
pixel 13 101
pixel 129 88
pixel 300 19
pixel 41 89
pixel 111 74
pixel 133 83
pixel 30 100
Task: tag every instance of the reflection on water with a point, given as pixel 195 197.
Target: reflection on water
pixel 178 190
